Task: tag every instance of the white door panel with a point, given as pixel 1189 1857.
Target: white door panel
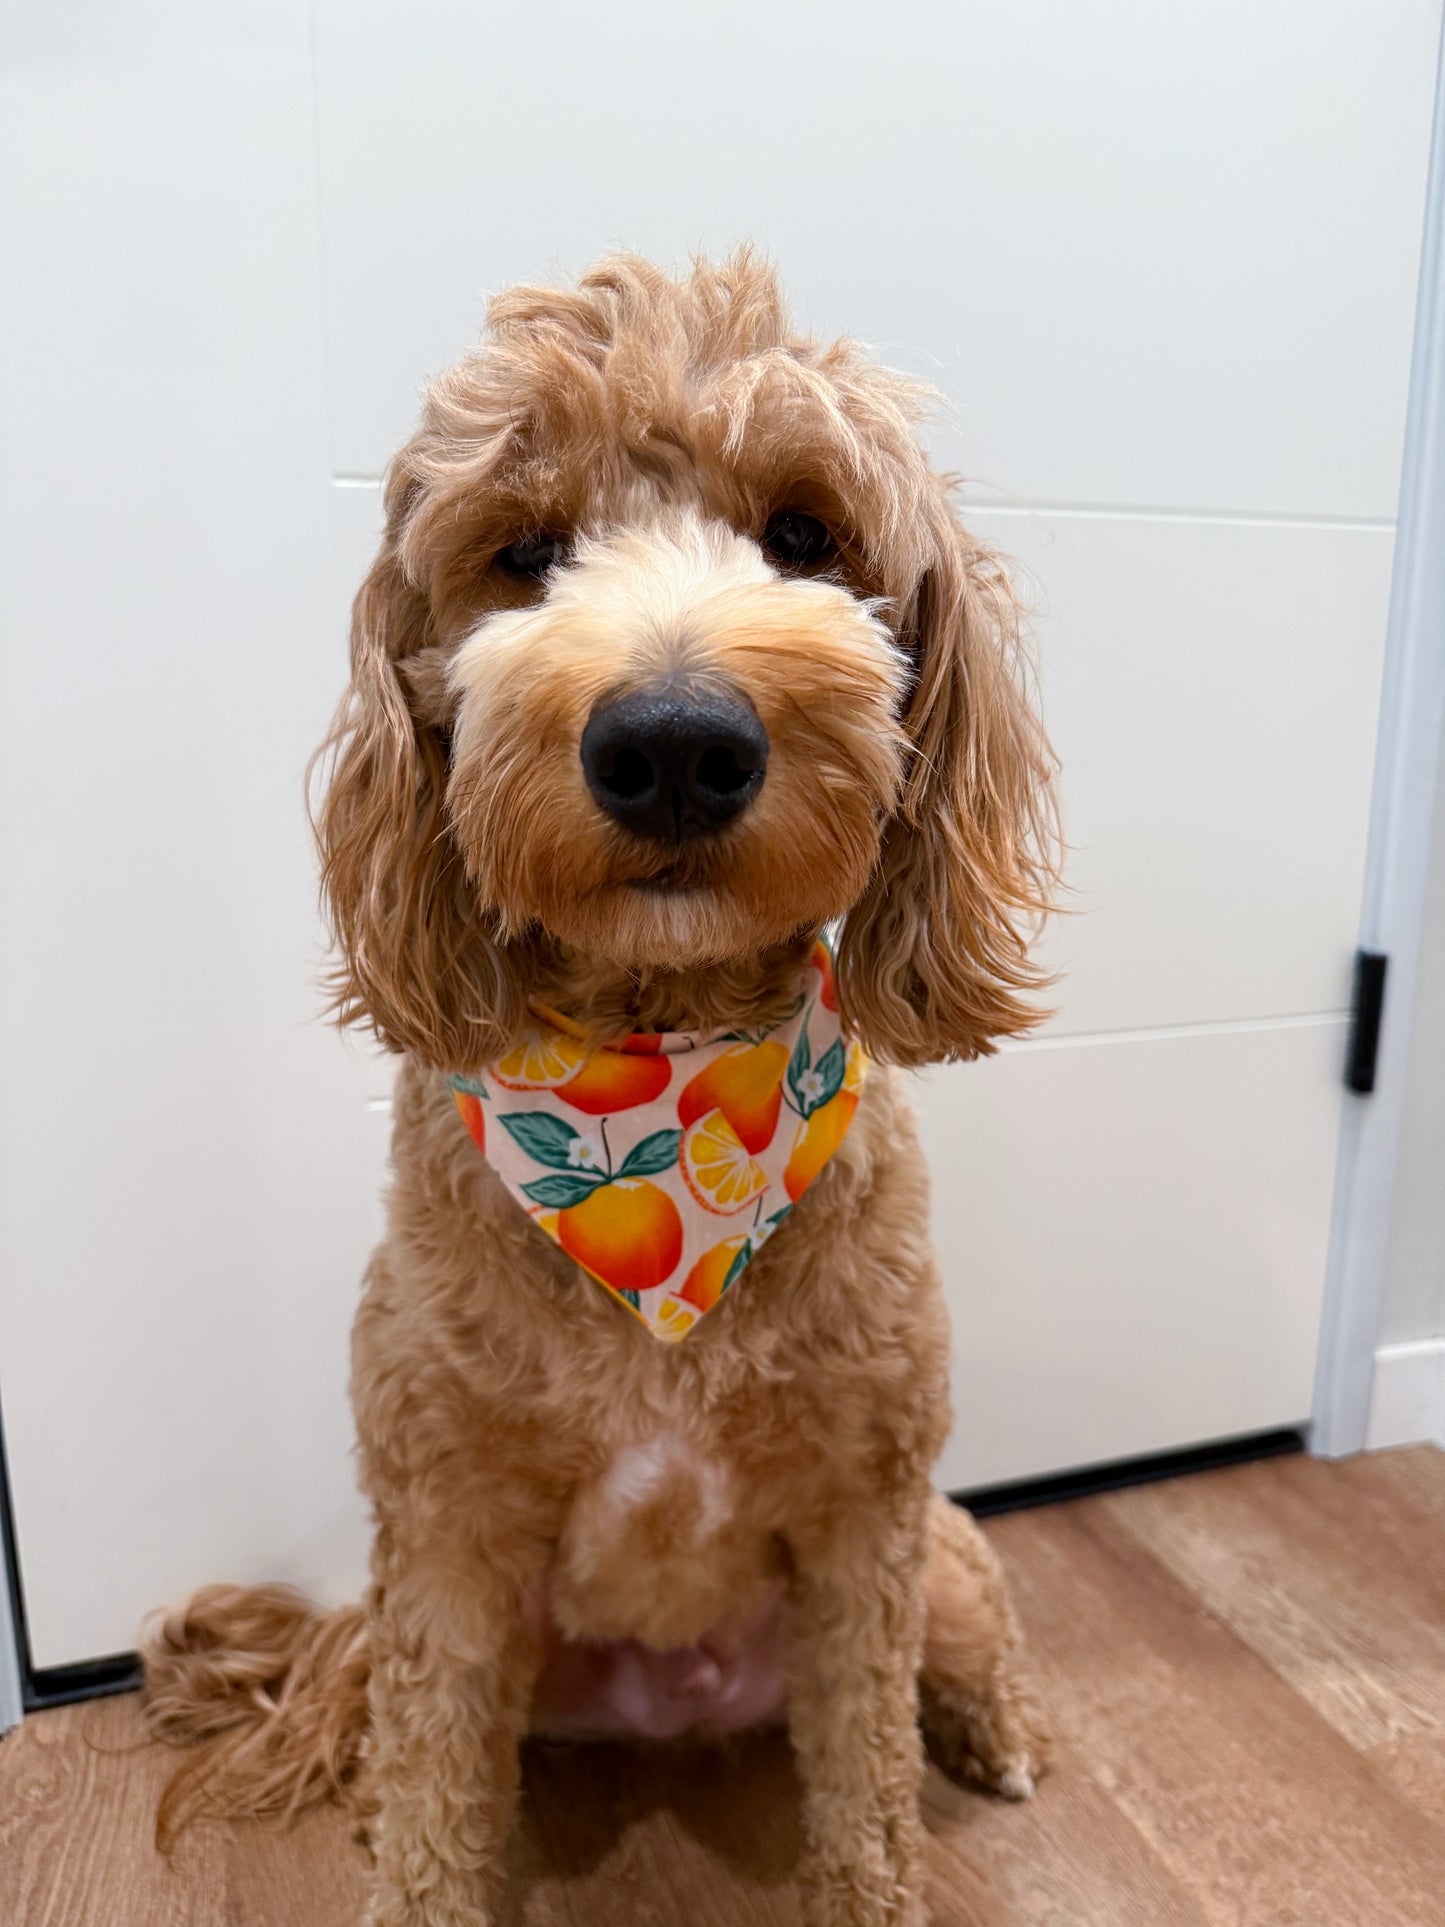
pixel 1133 1241
pixel 1157 255
pixel 357 520
pixel 1211 689
pixel 188 1170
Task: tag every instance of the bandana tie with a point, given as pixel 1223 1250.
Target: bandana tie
pixel 663 1162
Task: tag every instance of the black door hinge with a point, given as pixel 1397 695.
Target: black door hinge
pixel 1368 1007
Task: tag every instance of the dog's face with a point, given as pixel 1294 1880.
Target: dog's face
pixel 684 751
pixel 672 653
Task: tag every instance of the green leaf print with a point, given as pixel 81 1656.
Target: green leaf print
pixel 798 1065
pixel 559 1193
pixel 738 1266
pixel 653 1154
pixel 547 1139
pixel 831 1067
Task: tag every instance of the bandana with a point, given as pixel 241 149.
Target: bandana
pixel 663 1162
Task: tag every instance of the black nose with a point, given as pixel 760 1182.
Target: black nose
pixel 669 763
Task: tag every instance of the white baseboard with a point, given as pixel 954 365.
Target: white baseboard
pixel 1407 1403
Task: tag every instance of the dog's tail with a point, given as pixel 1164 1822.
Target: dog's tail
pixel 270 1694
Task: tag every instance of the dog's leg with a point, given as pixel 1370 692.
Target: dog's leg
pixel 856 1605
pixel 455 1658
pixel 979 1710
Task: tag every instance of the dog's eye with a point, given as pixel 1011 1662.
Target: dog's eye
pixel 795 539
pixel 533 555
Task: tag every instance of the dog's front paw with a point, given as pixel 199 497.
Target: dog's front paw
pixel 1016 1782
pixel 1000 1742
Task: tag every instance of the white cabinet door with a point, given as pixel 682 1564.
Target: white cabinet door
pixel 1168 291
pixel 1140 1196
pixel 188 1169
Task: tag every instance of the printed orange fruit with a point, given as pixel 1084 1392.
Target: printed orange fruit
pixel 817 1139
pixel 822 962
pixel 703 1285
pixel 746 1085
pixel 614 1080
pixel 473 1116
pixel 627 1233
pixel 716 1166
pixel 543 1060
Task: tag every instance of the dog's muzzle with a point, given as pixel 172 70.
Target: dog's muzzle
pixel 670 762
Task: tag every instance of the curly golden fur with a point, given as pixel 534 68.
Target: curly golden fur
pixel 545 1476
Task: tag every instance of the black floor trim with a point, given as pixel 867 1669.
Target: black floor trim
pixel 985 1500
pixel 121 1672
pixel 10 1559
pixel 43 1686
pixel 91 1679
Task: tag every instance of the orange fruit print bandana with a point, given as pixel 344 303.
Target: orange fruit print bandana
pixel 661 1163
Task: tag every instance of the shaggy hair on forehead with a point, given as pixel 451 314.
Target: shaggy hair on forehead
pixel 609 408
pixel 701 381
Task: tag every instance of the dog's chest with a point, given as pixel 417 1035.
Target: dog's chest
pixel 663 1609
pixel 658 1544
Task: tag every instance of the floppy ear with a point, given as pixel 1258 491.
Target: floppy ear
pixel 418 962
pixel 933 962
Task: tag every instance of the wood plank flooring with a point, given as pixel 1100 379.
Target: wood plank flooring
pixel 1247 1669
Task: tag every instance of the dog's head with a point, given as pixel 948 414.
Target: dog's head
pixel 674 651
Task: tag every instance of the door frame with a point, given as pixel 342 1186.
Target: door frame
pixel 1409 749
pixel 12 1664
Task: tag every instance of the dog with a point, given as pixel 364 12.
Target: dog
pixel 674 660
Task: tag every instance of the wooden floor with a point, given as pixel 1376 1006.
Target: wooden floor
pixel 1247 1668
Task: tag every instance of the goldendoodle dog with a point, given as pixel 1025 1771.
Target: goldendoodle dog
pixel 686 783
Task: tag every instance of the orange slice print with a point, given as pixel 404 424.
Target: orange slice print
pixel 543 1060
pixel 717 1167
pixel 673 1321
